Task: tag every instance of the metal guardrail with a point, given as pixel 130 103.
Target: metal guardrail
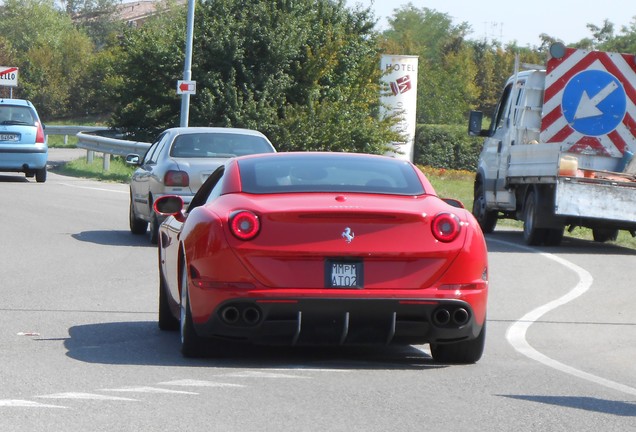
pixel 108 145
pixel 96 143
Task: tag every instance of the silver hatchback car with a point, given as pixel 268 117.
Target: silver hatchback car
pixel 178 162
pixel 23 146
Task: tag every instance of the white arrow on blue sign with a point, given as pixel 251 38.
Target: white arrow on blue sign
pixel 594 102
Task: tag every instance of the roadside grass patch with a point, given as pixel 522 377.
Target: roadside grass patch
pixel 119 171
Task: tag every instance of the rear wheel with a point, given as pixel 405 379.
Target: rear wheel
pixel 531 234
pixel 137 226
pixel 487 219
pixel 40 175
pixel 191 343
pixel 154 228
pixel 461 352
pixel 603 235
pixel 167 321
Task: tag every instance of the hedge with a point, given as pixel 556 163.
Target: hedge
pixel 446 146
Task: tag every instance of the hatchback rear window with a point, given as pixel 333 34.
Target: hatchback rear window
pixel 329 173
pixel 16 115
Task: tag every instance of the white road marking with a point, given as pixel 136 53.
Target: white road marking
pixel 516 333
pixel 258 374
pixel 198 383
pixel 26 404
pixel 144 389
pixel 94 188
pixel 85 396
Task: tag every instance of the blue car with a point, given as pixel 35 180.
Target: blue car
pixel 23 146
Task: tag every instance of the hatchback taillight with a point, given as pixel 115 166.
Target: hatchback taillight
pixel 39 134
pixel 176 178
pixel 244 224
pixel 446 227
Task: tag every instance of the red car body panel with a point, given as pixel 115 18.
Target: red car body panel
pixel 282 271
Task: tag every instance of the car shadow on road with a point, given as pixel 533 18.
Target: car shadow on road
pixel 113 238
pixel 14 179
pixel 618 408
pixel 142 343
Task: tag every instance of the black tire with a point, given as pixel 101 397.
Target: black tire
pixel 532 235
pixel 192 345
pixel 40 175
pixel 137 226
pixel 466 352
pixel 154 228
pixel 554 236
pixel 487 219
pixel 602 235
pixel 167 321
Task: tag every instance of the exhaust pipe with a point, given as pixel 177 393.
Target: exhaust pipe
pixel 230 315
pixel 460 316
pixel 441 317
pixel 251 315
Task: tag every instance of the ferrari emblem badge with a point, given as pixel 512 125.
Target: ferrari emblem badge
pixel 348 235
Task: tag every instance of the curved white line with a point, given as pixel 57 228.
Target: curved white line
pixel 516 333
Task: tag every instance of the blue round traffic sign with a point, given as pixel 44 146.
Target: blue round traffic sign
pixel 594 102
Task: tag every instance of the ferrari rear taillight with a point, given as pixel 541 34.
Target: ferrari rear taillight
pixel 39 135
pixel 244 224
pixel 176 178
pixel 446 227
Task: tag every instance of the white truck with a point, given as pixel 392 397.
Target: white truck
pixel 559 147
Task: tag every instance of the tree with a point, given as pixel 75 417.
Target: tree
pixel 97 18
pixel 50 52
pixel 7 58
pixel 306 73
pixel 446 84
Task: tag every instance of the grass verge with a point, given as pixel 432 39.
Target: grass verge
pixel 119 171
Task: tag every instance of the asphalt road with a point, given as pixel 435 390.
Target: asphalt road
pixel 80 349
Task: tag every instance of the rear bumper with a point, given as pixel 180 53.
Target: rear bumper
pixel 324 321
pixel 22 158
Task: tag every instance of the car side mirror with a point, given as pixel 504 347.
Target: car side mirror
pixel 170 205
pixel 475 120
pixel 453 202
pixel 132 159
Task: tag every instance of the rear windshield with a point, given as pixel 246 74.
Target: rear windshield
pixel 213 144
pixel 329 173
pixel 16 115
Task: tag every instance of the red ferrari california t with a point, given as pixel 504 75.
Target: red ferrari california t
pixel 322 249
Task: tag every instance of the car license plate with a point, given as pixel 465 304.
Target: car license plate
pixel 8 137
pixel 343 274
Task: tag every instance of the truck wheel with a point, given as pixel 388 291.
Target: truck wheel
pixel 532 235
pixel 603 235
pixel 487 219
pixel 554 236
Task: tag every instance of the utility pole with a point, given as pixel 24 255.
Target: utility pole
pixel 187 68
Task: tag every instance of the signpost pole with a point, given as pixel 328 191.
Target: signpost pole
pixel 187 68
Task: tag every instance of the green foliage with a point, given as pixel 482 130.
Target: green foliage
pixel 448 147
pixel 144 77
pixel 305 73
pixel 50 52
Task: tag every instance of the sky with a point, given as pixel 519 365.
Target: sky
pixel 520 21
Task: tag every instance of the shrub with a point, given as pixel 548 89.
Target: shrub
pixel 446 146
